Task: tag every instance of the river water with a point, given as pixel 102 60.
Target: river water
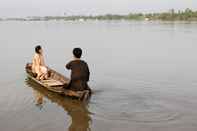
pixel 143 74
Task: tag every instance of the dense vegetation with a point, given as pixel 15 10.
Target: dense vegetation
pixel 186 15
pixel 171 15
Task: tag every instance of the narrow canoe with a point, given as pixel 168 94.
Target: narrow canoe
pixel 56 83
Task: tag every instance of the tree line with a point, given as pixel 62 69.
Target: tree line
pixel 171 15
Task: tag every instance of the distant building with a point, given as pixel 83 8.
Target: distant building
pixel 81 20
pixel 147 19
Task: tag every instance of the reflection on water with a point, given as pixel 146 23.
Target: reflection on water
pixel 80 116
pixel 38 98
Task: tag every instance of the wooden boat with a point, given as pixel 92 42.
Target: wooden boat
pixel 77 110
pixel 56 83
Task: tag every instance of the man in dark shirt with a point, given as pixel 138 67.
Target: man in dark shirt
pixel 79 72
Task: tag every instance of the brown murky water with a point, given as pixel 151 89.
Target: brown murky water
pixel 144 76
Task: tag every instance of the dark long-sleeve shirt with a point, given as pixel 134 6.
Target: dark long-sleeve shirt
pixel 79 75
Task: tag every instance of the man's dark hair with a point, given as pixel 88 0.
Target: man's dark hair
pixel 38 48
pixel 77 52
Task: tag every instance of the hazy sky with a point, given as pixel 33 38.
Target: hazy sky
pixel 58 7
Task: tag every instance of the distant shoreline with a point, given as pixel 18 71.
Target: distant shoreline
pixel 171 15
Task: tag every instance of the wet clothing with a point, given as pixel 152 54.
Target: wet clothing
pixel 79 75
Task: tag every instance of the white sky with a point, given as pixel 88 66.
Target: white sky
pixel 18 8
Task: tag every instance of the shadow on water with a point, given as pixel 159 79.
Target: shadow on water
pixel 80 116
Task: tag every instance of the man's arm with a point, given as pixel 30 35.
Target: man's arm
pixel 68 66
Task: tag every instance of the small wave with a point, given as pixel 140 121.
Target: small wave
pixel 142 117
pixel 138 110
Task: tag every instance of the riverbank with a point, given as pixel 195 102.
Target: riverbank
pixel 171 15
